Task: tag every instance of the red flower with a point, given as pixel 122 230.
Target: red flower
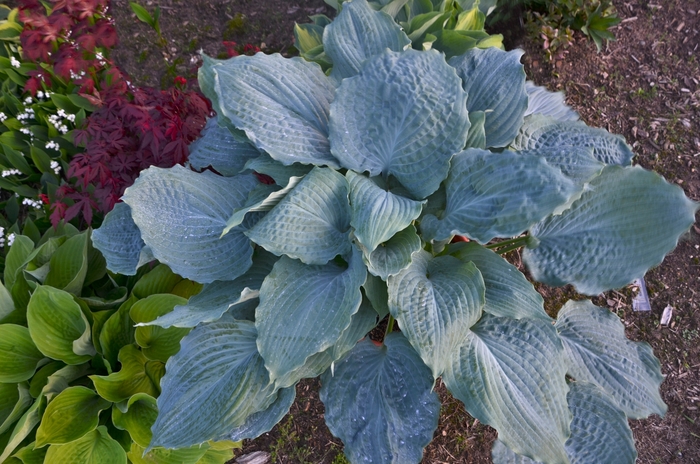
pixel 180 81
pixel 44 197
pixel 230 48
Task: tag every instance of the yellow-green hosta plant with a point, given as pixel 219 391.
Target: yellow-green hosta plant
pixel 315 206
pixel 78 382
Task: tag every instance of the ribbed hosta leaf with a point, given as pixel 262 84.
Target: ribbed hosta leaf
pixel 219 148
pixel 140 414
pixel 357 34
pixel 14 400
pixel 577 163
pixel 95 447
pixel 282 104
pixel 381 403
pixel 218 297
pixel 393 255
pixel 477 131
pixel 19 355
pixel 542 101
pixel 405 115
pixel 377 213
pixel 599 431
pixel 156 342
pixel 597 351
pixel 181 215
pixel 213 385
pixel 510 374
pixel 540 131
pixel 263 421
pixel 495 83
pixel 134 376
pixel 508 293
pixel 625 223
pixel 436 301
pixel 497 195
pixel 280 173
pixel 304 310
pixel 120 242
pixel 311 223
pixel 70 415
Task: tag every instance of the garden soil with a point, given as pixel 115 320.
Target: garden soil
pixel 645 86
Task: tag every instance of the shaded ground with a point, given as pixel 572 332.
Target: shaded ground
pixel 643 86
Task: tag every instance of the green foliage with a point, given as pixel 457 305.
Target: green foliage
pixel 362 180
pixel 78 383
pixel 152 20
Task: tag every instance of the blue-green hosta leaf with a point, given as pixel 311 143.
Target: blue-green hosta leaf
pixel 357 34
pixel 381 403
pixel 70 415
pixel 263 421
pixel 304 309
pixel 542 101
pixel 599 431
pixel 282 104
pixel 311 223
pixel 181 215
pixel 436 301
pixel 497 195
pixel 405 114
pixel 393 255
pixel 120 242
pixel 218 297
pixel 58 326
pixel 19 355
pixel 510 374
pixel 597 351
pixel 477 131
pixel 213 384
pixel 262 198
pixel 15 398
pixel 624 224
pixel 377 213
pixel 376 291
pixel 219 148
pixel 495 82
pixel 540 131
pixel 95 447
pixel 576 163
pixel 280 173
pixel 508 293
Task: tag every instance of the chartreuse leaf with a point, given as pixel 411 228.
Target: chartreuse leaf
pixel 58 326
pixel 191 455
pixel 494 81
pixel 117 332
pixel 542 101
pixel 120 242
pixel 311 223
pixel 394 255
pixel 213 384
pixel 377 213
pixel 510 374
pixel 61 379
pixel 404 115
pixel 70 415
pixel 160 279
pixel 30 455
pixel 621 226
pixel 42 375
pixel 381 403
pixel 598 352
pixel 357 34
pixel 69 265
pixel 263 421
pixel 219 148
pixel 181 215
pixel 282 104
pixel 157 343
pixel 141 412
pixel 7 307
pixel 19 355
pixel 16 259
pixel 24 426
pixel 95 447
pixel 218 297
pixel 599 431
pixel 14 400
pixel 304 310
pixel 133 377
pixel 540 131
pixel 436 301
pixel 497 195
pixel 576 163
pixel 507 292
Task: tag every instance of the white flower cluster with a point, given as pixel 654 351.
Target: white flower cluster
pixel 3 116
pixel 32 203
pixel 14 62
pixel 56 167
pixel 28 114
pixel 11 239
pixel 41 95
pixel 26 130
pixel 28 101
pixel 52 145
pixel 76 76
pixel 57 120
pixel 11 172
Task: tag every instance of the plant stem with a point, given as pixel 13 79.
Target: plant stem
pixel 507 249
pixel 389 325
pixel 509 245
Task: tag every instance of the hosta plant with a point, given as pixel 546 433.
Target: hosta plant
pixel 78 382
pixel 315 206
